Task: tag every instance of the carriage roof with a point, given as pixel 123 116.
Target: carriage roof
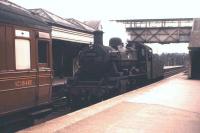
pixel 13 14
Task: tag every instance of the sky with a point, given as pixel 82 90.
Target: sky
pixel 118 9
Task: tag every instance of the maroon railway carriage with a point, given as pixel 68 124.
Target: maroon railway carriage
pixel 25 60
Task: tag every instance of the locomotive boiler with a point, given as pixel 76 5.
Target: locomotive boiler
pixel 109 70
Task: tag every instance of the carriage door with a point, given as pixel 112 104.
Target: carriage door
pixel 44 68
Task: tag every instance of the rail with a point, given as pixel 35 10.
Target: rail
pixel 172 70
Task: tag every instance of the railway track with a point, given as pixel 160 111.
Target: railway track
pixel 61 107
pixel 172 71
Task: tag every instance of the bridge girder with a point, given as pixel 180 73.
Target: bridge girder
pixel 160 35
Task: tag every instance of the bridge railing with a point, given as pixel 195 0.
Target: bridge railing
pixel 152 23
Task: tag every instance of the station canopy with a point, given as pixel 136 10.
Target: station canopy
pixel 59 21
pixel 70 30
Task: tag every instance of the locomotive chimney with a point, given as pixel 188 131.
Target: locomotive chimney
pixel 98 37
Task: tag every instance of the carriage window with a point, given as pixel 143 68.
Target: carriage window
pixel 43 51
pixel 22 54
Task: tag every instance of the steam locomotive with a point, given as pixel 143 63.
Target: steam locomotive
pixel 109 70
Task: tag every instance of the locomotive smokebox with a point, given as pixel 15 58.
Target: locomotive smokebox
pixel 98 37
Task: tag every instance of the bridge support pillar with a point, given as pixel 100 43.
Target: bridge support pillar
pixel 194 47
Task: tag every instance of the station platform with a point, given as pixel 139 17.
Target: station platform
pixel 171 105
